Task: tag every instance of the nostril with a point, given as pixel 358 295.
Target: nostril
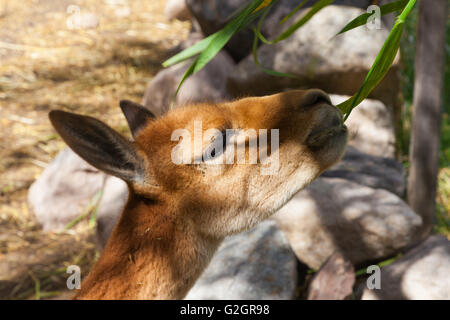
pixel 315 96
pixel 337 121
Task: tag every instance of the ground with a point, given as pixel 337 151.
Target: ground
pixel 45 65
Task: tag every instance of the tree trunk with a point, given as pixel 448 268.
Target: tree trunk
pixel 427 110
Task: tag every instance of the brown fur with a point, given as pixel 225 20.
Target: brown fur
pixel 177 215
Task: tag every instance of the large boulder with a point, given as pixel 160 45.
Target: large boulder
pixel 336 64
pixel 64 190
pixel 371 127
pixel 213 15
pixel 336 215
pixel 370 171
pixel 207 85
pixel 68 186
pixel 253 265
pixel 113 200
pixel 334 280
pixel 421 274
pixel 177 9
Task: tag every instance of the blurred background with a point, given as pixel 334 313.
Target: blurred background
pixel 49 60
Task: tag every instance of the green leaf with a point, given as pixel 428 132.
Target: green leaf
pixel 319 5
pixel 264 4
pixel 205 43
pixel 219 40
pixel 381 264
pixel 255 49
pixel 92 207
pixel 293 12
pixel 189 52
pixel 362 19
pixel 381 65
pixel 96 202
pixel 224 35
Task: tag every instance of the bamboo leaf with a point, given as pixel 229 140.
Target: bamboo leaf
pixel 224 35
pixel 255 49
pixel 219 40
pixel 210 40
pixel 189 52
pixel 263 5
pixel 294 11
pixel 92 206
pixel 385 9
pixel 319 5
pixel 381 65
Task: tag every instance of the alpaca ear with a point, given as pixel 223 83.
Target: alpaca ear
pixel 137 116
pixel 99 145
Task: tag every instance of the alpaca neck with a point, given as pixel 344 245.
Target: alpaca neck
pixel 150 255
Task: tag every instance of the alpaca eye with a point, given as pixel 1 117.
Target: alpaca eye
pixel 216 148
pixel 146 200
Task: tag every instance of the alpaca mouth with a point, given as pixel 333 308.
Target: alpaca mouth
pixel 318 138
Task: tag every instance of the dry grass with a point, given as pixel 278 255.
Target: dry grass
pixel 44 66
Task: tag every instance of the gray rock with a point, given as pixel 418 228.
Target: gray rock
pixel 421 274
pixel 195 35
pixel 64 190
pixel 371 127
pixel 334 280
pixel 213 15
pixel 281 9
pixel 67 187
pixel 177 9
pixel 335 64
pixel 257 264
pixel 370 171
pixel 110 207
pixel 336 215
pixel 207 85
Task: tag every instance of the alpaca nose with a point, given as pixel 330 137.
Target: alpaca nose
pixel 331 116
pixel 315 97
pixel 339 118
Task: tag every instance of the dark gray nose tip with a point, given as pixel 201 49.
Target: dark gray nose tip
pixel 337 120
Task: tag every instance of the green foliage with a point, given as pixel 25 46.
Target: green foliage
pixel 385 9
pixel 445 135
pixel 408 52
pixel 209 49
pixel 319 5
pixel 382 62
pixel 293 12
pixel 206 49
pixel 91 211
pixel 257 31
pixel 258 35
pixel 443 204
